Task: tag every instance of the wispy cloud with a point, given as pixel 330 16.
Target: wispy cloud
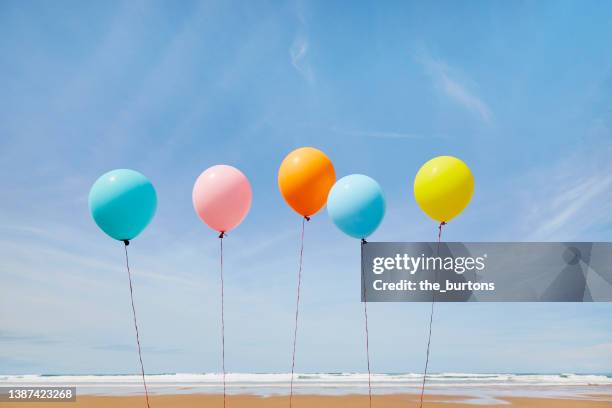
pixel 132 348
pixel 298 53
pixel 569 199
pixel 376 134
pixel 572 203
pixel 448 81
pixel 23 338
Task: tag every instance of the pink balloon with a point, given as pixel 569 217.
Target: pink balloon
pixel 222 197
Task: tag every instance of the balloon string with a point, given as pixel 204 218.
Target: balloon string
pixel 365 313
pixel 222 321
pixel 142 371
pixel 297 309
pixel 431 314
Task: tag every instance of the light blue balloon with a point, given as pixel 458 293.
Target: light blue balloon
pixel 122 202
pixel 356 205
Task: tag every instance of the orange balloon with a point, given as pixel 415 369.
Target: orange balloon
pixel 304 178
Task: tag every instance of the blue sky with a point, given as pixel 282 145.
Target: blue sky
pixel 521 91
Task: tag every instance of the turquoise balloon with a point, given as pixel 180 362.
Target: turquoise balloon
pixel 356 205
pixel 122 203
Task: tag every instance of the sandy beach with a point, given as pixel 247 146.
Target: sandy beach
pixel 309 401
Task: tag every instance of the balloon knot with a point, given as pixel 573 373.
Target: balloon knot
pixel 222 234
pixel 363 241
pixel 307 218
pixel 126 242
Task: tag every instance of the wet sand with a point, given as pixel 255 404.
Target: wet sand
pixel 308 401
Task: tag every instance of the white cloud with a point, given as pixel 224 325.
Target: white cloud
pixel 568 200
pixel 447 80
pixel 376 134
pixel 573 203
pixel 298 53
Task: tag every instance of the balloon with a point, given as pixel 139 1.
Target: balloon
pixel 443 187
pixel 222 197
pixel 356 205
pixel 304 178
pixel 122 202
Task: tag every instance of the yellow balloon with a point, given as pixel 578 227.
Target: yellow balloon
pixel 443 187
